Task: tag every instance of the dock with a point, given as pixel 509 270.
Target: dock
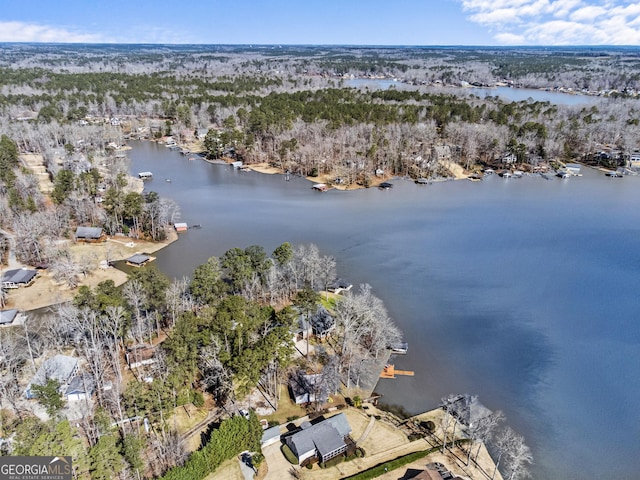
pixel 389 371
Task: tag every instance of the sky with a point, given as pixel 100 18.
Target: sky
pixel 324 22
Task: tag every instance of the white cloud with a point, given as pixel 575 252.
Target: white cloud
pixel 510 39
pixel 558 22
pixel 587 14
pixel 32 32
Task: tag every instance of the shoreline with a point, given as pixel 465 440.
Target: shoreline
pixel 46 292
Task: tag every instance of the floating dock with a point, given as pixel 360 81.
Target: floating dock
pixel 389 371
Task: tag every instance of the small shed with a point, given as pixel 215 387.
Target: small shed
pixel 89 234
pixel 21 277
pixel 181 227
pixel 138 260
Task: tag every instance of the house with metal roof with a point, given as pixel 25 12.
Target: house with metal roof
pixel 88 234
pixel 138 260
pixel 21 277
pixel 324 440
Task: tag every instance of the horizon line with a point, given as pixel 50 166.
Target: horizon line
pixel 352 45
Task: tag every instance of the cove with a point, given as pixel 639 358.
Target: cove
pixel 522 291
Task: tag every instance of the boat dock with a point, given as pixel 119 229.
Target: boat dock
pixel 389 371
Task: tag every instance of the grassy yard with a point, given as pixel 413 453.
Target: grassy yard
pixel 229 470
pixel 286 408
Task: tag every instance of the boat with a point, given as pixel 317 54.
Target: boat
pixel 563 174
pixel 145 175
pixel 321 187
pixel 197 225
pixel 423 181
pixel 399 348
pixel 614 174
pixel 168 180
pixel 385 185
pixel 506 174
pixel 489 171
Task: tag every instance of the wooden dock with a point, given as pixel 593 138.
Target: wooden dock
pixel 389 371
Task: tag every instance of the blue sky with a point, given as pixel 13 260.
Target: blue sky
pixel 360 22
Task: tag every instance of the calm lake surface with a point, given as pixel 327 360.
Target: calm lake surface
pixel 522 291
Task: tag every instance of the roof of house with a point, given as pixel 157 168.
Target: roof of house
pixel 322 321
pixel 59 367
pixel 270 433
pixel 138 258
pixel 20 275
pixel 81 384
pixel 302 386
pixel 428 475
pixel 7 316
pixel 327 439
pixel 340 423
pixel 339 283
pixel 326 436
pixel 88 232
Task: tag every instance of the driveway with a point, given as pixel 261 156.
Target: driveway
pixel 278 465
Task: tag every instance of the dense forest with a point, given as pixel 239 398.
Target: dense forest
pixel 293 106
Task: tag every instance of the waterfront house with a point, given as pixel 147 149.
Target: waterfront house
pixel 138 260
pixel 573 168
pixel 181 227
pixel 339 285
pixel 323 441
pixel 61 368
pixel 89 234
pixel 21 277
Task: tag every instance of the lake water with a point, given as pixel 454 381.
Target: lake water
pixel 506 93
pixel 522 291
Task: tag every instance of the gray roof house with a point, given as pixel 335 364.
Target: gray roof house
pixel 322 323
pixel 308 388
pixel 60 367
pixel 18 278
pixel 11 317
pixel 324 440
pixel 138 260
pixel 88 234
pixel 81 387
